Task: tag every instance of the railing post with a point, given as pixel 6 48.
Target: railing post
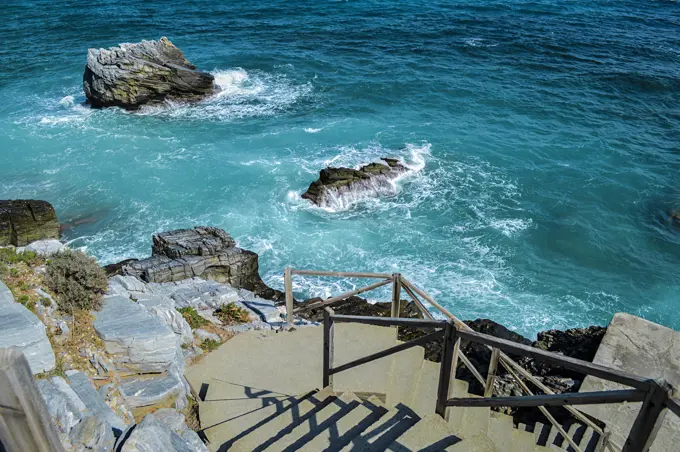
pixel 491 376
pixel 649 418
pixel 327 346
pixel 396 294
pixel 288 287
pixel 445 368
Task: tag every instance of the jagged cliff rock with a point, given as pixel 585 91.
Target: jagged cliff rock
pixel 25 221
pixel 206 252
pixel 375 178
pixel 147 72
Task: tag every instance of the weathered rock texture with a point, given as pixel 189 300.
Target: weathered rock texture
pixel 138 340
pixel 206 252
pixel 147 72
pixel 25 221
pixel 22 329
pixel 374 178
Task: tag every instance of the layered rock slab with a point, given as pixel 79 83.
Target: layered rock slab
pixel 147 72
pixel 138 340
pixel 22 329
pixel 205 252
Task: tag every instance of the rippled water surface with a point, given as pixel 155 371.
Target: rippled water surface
pixel 544 139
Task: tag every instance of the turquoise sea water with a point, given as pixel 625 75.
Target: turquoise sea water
pixel 544 139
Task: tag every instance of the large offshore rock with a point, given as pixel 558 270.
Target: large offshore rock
pixel 80 383
pixel 205 252
pixel 22 329
pixel 374 179
pixel 147 72
pixel 92 434
pixel 138 340
pixel 152 435
pixel 25 221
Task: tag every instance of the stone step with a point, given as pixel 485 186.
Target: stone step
pixel 291 362
pixel 385 430
pixel 350 426
pixel 424 398
pixel 294 437
pixel 501 428
pixel 430 433
pixel 81 385
pixel 469 422
pixel 521 441
pixel 248 431
pixel 403 375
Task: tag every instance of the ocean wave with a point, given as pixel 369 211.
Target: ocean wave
pixel 478 42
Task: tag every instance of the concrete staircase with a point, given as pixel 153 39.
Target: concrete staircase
pixel 260 391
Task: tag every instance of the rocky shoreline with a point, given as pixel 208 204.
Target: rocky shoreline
pixel 115 376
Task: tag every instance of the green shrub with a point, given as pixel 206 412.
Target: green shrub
pixel 191 316
pixel 209 345
pixel 231 313
pixel 9 256
pixel 77 280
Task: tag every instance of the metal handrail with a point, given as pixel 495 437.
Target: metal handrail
pixel 655 394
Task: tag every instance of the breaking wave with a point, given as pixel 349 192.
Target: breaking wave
pixel 243 94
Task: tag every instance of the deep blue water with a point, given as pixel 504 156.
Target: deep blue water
pixel 544 137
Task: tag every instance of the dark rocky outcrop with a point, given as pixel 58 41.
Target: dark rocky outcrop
pixel 358 306
pixel 206 252
pixel 147 72
pixel 337 181
pixel 25 221
pixel 117 268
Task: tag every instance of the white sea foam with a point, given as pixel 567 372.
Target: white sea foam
pixel 242 94
pixel 479 42
pixel 311 130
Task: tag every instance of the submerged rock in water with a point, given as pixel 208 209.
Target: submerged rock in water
pixel 147 72
pixel 374 179
pixel 25 221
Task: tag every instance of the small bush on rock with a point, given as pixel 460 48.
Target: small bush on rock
pixel 231 313
pixel 191 316
pixel 77 280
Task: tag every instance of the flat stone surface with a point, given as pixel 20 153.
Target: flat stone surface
pixel 45 247
pixel 154 435
pixel 80 383
pixel 145 391
pixel 139 340
pixel 265 309
pixel 22 329
pixel 643 348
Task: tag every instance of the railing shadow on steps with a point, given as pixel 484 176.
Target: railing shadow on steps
pixel 655 395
